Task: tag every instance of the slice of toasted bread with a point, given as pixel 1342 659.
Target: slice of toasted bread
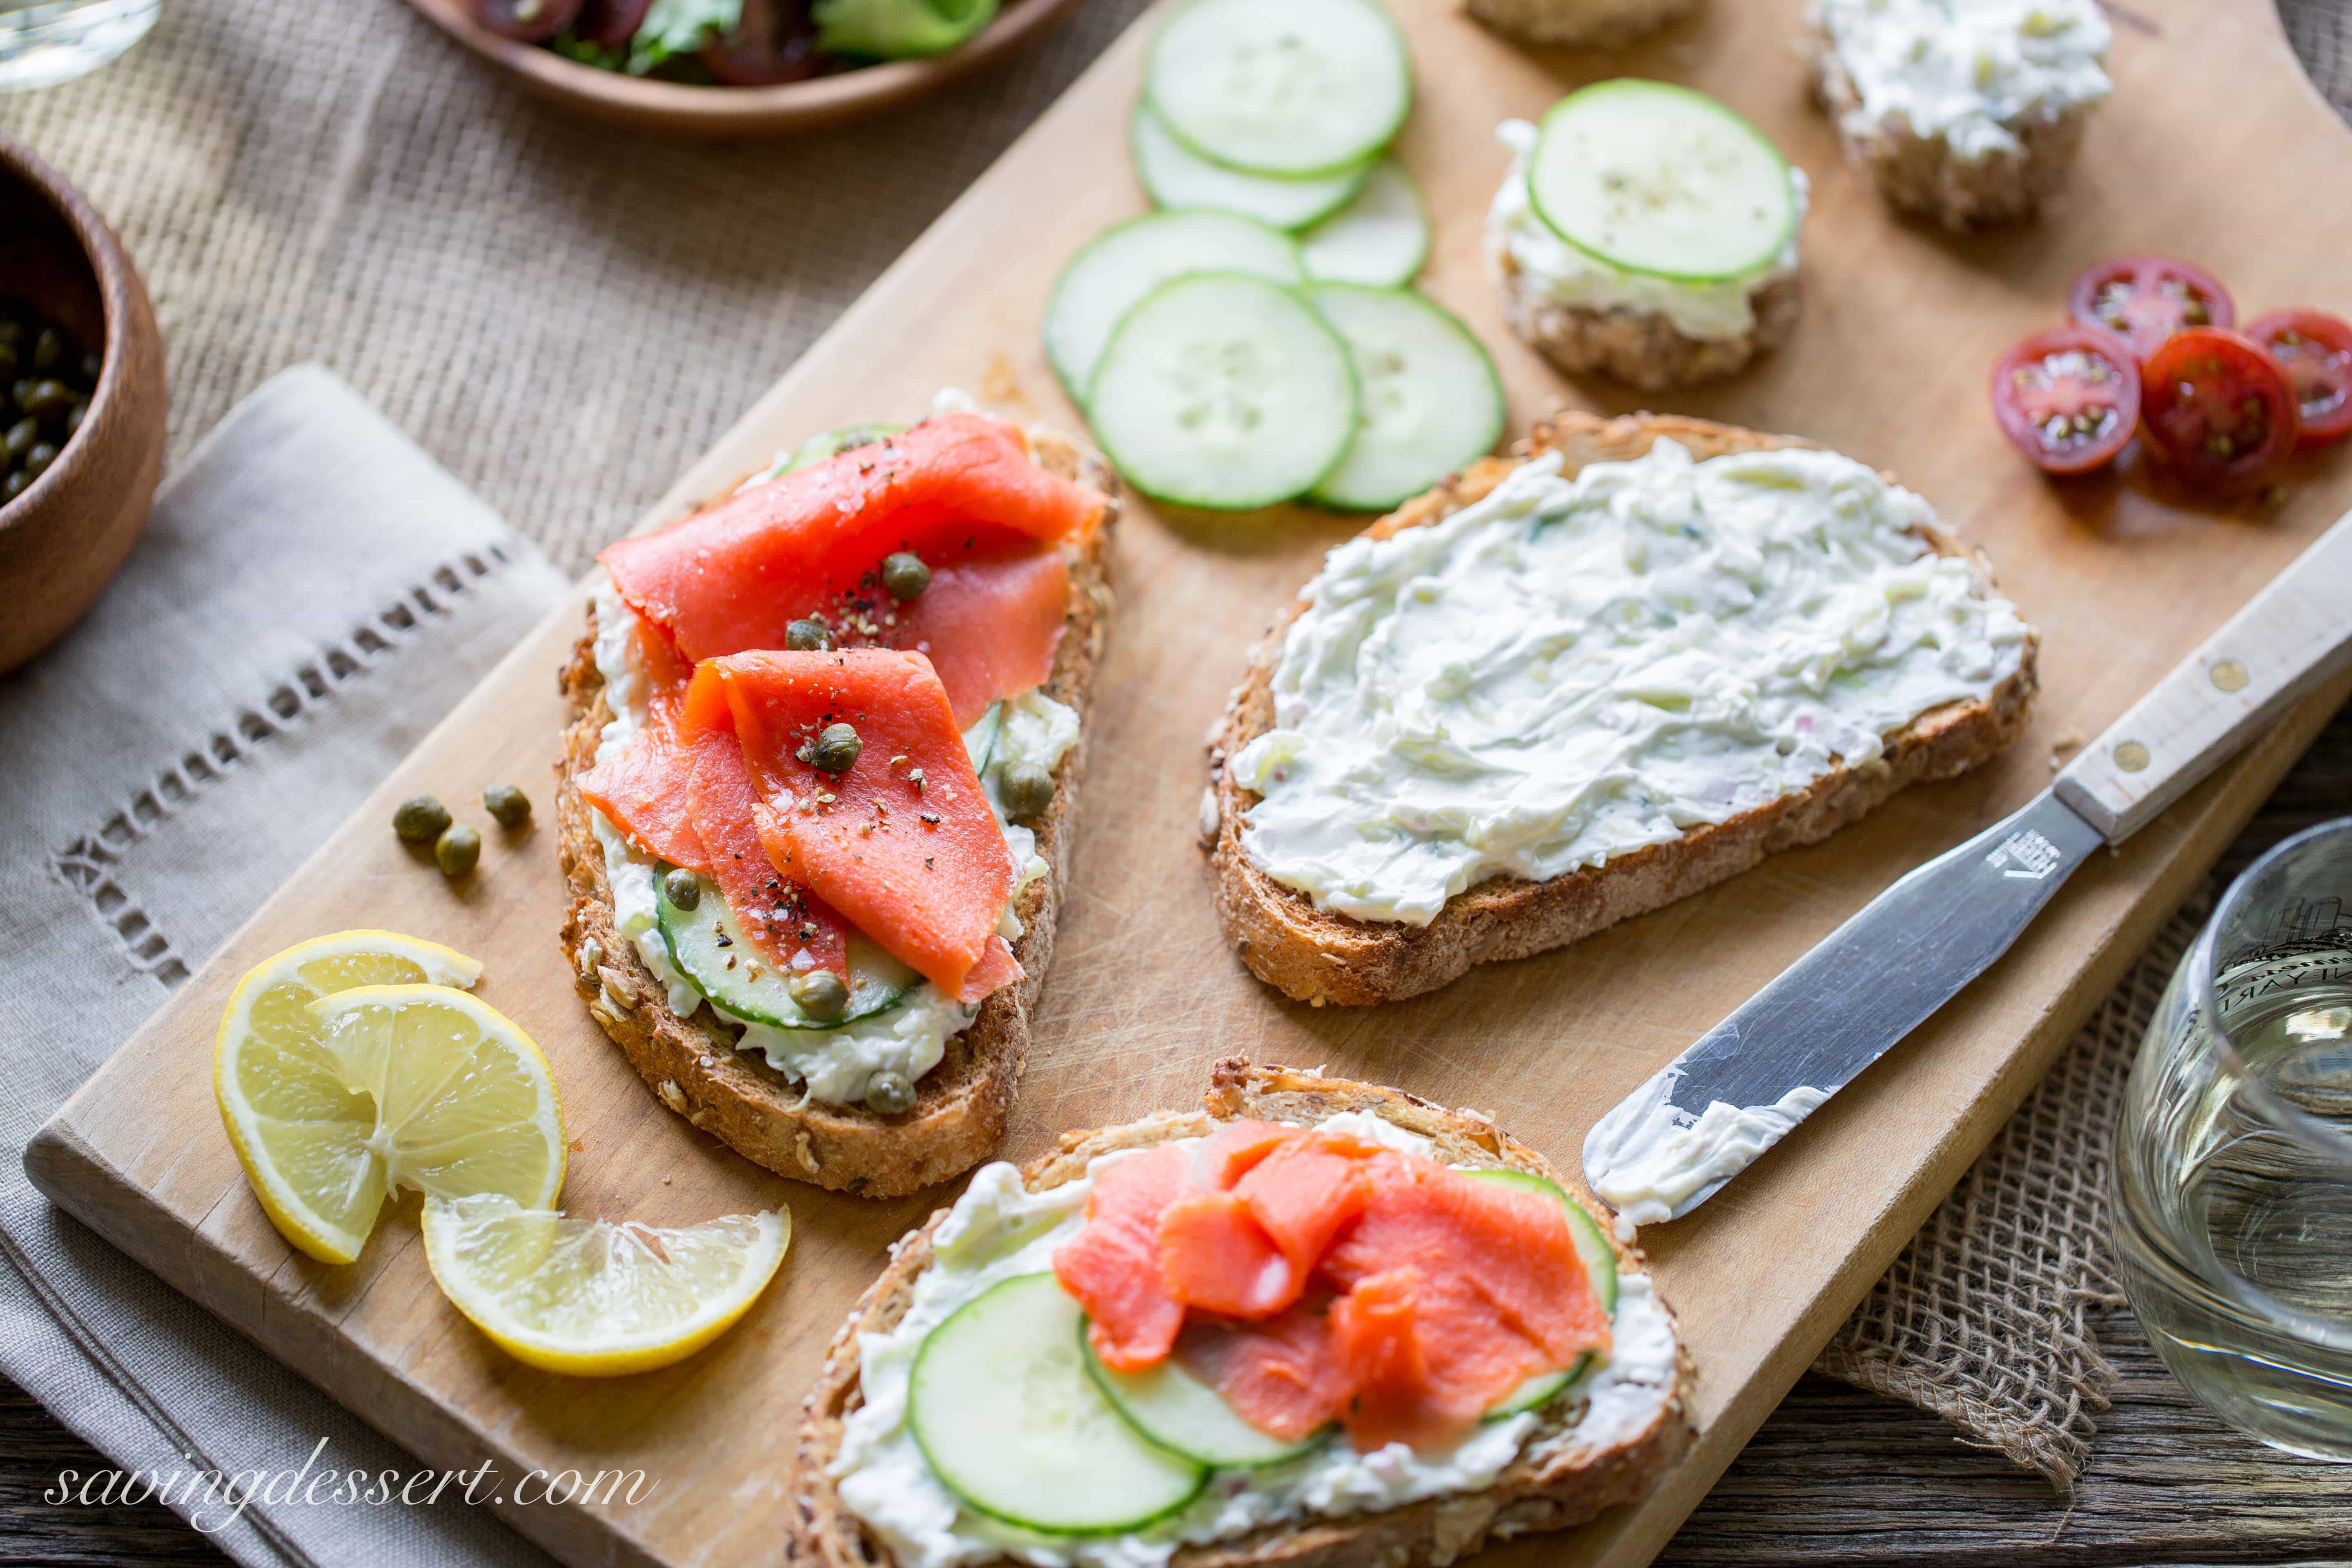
pixel 1566 1488
pixel 1319 956
pixel 692 1064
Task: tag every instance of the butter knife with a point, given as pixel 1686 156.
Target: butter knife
pixel 1672 1143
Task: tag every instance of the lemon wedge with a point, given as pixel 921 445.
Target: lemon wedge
pixel 594 1299
pixel 349 1064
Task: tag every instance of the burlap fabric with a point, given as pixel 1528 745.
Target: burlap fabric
pixel 565 315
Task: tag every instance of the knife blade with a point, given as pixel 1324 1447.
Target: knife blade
pixel 1708 1114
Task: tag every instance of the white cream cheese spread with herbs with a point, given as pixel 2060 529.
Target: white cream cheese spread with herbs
pixel 999 1231
pixel 1569 275
pixel 1571 669
pixel 1973 72
pixel 832 1065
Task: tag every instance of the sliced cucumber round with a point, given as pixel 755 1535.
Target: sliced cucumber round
pixel 710 948
pixel 1280 86
pixel 1224 391
pixel 1600 1260
pixel 827 444
pixel 1170 1406
pixel 1003 1411
pixel 1381 238
pixel 1122 265
pixel 1173 175
pixel 1429 399
pixel 1655 178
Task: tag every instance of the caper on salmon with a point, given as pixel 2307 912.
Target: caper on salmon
pixel 835 748
pixel 889 1093
pixel 420 819
pixel 904 574
pixel 507 805
pixel 46 382
pixel 682 887
pixel 458 851
pixel 808 637
pixel 819 992
pixel 1027 789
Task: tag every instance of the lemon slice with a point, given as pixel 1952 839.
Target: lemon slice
pixel 342 1069
pixel 594 1299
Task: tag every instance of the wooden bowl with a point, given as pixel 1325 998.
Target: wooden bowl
pixel 63 539
pixel 721 112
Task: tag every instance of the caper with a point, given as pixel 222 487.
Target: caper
pixel 23 437
pixel 37 460
pixel 15 485
pixel 507 805
pixel 8 363
pixel 75 416
pixel 420 819
pixel 457 850
pixel 819 992
pixel 682 887
pixel 49 350
pixel 889 1093
pixel 1027 788
pixel 836 749
pixel 12 333
pixel 91 365
pixel 904 574
pixel 808 637
pixel 48 400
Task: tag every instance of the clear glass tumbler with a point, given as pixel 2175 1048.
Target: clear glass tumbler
pixel 45 42
pixel 2233 1179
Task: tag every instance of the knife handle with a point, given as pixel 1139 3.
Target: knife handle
pixel 2289 638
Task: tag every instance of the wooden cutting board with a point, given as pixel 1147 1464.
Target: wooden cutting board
pixel 2214 146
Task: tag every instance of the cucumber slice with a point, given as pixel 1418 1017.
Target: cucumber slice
pixel 1600 1263
pixel 1280 86
pixel 1173 175
pixel 1170 1406
pixel 983 738
pixel 710 948
pixel 832 443
pixel 1003 1409
pixel 1655 178
pixel 1430 400
pixel 1381 238
pixel 1224 391
pixel 1121 266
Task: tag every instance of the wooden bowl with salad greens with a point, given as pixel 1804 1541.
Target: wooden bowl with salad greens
pixel 730 68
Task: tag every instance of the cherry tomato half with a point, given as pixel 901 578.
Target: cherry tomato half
pixel 611 24
pixel 2145 300
pixel 2316 349
pixel 2217 405
pixel 766 47
pixel 2068 398
pixel 526 21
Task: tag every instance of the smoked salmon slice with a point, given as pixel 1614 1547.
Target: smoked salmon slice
pixel 1281 1371
pixel 1112 1266
pixel 638 787
pixel 961 491
pixel 1214 1256
pixel 903 843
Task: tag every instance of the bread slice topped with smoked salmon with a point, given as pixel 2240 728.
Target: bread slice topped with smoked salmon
pixel 818 799
pixel 1315 1322
pixel 1568 688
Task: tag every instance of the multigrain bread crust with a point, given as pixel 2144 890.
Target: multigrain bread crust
pixel 1319 956
pixel 1922 175
pixel 1641 348
pixel 1579 23
pixel 1568 1489
pixel 692 1064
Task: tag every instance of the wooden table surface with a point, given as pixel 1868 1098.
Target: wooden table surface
pixel 1835 1475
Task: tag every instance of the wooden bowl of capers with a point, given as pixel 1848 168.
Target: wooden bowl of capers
pixel 81 404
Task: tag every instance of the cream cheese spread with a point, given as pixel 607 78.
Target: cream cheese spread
pixel 1651 1160
pixel 998 1231
pixel 1571 669
pixel 1571 276
pixel 1973 72
pixel 831 1065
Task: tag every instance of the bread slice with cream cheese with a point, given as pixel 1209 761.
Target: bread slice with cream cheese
pixel 1318 955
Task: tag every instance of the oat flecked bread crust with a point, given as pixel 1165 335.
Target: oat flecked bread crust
pixel 1568 1489
pixel 1923 176
pixel 1579 23
pixel 1319 957
pixel 1641 348
pixel 692 1064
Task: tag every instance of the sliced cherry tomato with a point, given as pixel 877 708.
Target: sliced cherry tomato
pixel 2145 300
pixel 611 24
pixel 526 21
pixel 2316 349
pixel 775 42
pixel 2217 405
pixel 2068 398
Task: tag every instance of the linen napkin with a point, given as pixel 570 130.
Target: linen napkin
pixel 311 594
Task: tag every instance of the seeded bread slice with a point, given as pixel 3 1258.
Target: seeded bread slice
pixel 1565 1489
pixel 1318 957
pixel 692 1064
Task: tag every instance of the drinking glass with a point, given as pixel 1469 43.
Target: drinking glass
pixel 2232 1178
pixel 43 42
